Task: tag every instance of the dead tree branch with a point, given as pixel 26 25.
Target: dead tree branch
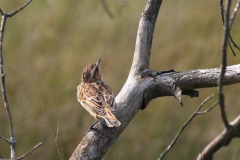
pixel 223 65
pixel 231 130
pixel 89 146
pixel 223 139
pixel 230 24
pixel 12 140
pixel 3 87
pixel 15 12
pixel 236 8
pixel 35 147
pixel 136 94
pixel 197 112
pixel 142 53
pixel 144 84
pixel 23 156
pixel 5 139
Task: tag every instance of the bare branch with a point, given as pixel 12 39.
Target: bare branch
pixel 4 93
pixel 204 78
pixel 209 109
pixel 223 139
pixel 223 65
pixel 139 90
pixel 138 93
pixel 231 46
pixel 2 13
pixel 234 44
pixel 230 25
pixel 5 139
pixel 23 156
pixel 234 14
pixel 144 37
pixel 3 86
pixel 15 12
pixel 231 21
pixel 35 147
pixel 185 125
pixel 222 10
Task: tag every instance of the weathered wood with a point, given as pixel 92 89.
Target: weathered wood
pixel 137 93
pixel 142 53
pixel 223 139
pixel 143 85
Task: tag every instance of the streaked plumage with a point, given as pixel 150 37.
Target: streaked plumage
pixel 96 96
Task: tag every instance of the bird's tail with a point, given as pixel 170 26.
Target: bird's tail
pixel 111 123
pixel 111 120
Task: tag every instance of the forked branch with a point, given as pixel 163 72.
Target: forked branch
pixel 230 24
pixel 23 156
pixel 142 53
pixel 15 12
pixel 224 64
pixel 143 85
pixel 197 112
pixel 223 139
pixel 12 140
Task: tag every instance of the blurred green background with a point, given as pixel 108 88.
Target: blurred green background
pixel 47 45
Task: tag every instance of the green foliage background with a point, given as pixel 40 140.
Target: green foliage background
pixel 47 45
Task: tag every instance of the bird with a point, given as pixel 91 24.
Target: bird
pixel 96 96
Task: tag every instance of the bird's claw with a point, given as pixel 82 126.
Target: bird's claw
pixel 92 129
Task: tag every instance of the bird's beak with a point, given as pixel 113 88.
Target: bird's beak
pixel 98 61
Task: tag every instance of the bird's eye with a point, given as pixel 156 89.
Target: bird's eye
pixel 96 69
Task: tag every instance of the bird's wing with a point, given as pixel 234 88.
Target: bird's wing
pixel 109 97
pixel 92 98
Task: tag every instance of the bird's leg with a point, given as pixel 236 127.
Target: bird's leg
pixel 91 128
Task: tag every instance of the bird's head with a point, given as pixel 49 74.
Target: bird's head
pixel 92 73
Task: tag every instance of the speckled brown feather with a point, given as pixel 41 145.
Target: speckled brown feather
pixel 96 96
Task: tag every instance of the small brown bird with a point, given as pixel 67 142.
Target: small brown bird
pixel 96 96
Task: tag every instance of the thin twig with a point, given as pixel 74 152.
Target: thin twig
pixel 234 44
pixel 222 140
pixel 23 156
pixel 231 47
pixel 197 112
pixel 223 65
pixel 15 12
pixel 209 109
pixel 235 10
pixel 106 8
pixel 35 147
pixel 2 13
pixel 5 139
pixel 3 86
pixel 222 11
pixel 231 21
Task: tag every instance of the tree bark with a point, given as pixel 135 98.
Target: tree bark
pixel 223 139
pixel 143 85
pixel 138 92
